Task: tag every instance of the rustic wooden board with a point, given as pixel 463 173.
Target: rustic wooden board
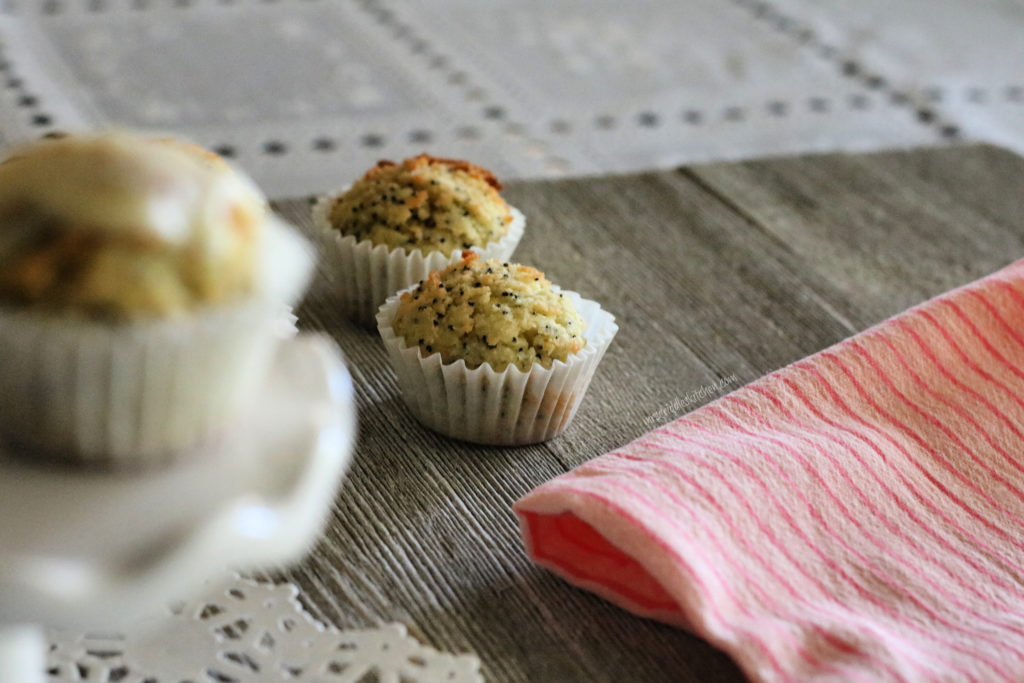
pixel 716 272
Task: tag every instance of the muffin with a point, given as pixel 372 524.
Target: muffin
pixel 400 221
pixel 492 352
pixel 143 285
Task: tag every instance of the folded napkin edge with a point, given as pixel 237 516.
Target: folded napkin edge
pixel 604 518
pixel 577 534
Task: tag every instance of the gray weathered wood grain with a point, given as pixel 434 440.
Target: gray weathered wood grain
pixel 714 272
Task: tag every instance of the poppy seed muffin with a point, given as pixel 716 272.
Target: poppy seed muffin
pixel 144 290
pixel 118 227
pixel 424 203
pixel 487 311
pixel 491 352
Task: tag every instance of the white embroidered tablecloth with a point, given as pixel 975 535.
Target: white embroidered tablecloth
pixel 307 93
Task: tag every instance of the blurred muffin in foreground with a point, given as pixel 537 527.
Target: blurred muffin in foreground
pixel 142 287
pixel 121 228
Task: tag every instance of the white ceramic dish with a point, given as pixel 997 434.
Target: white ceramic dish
pixel 88 549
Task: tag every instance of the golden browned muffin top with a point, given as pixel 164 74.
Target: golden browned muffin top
pixel 118 226
pixel 490 312
pixel 424 203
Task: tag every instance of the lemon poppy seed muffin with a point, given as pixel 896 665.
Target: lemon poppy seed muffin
pixel 145 288
pixel 424 203
pixel 487 311
pixel 529 350
pixel 120 227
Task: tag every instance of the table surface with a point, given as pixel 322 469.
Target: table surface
pixel 717 274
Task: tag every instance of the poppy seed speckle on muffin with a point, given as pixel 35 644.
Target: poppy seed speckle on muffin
pixel 487 311
pixel 424 203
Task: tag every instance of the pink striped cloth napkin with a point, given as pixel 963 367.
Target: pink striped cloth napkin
pixel 858 515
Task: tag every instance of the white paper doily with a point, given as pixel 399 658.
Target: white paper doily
pixel 241 631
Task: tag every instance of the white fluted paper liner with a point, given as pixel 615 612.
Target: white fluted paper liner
pixel 511 407
pixel 366 274
pixel 132 394
pixel 139 393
